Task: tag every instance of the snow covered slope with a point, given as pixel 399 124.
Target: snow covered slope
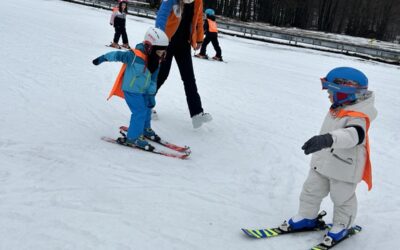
pixel 61 187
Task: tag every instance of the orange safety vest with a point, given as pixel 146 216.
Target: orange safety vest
pixel 117 88
pixel 367 175
pixel 212 26
pixel 197 31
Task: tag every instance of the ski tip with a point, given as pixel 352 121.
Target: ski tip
pixel 172 155
pixel 246 231
pixel 185 156
pixel 259 233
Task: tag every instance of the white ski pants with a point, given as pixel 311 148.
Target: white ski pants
pixel 316 187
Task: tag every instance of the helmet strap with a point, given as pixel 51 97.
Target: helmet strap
pixel 339 101
pixel 148 47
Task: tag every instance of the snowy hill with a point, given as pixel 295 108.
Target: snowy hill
pixel 64 188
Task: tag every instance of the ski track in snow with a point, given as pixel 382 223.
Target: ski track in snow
pixel 64 188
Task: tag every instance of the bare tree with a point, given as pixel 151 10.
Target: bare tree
pixel 367 18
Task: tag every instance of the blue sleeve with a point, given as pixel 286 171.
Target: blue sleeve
pixel 154 76
pixel 163 14
pixel 120 56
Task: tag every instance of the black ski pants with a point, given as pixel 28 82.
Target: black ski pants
pixel 120 30
pixel 181 50
pixel 213 38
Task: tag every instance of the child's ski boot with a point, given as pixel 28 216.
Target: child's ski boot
pixel 150 134
pixel 217 58
pixel 115 45
pixel 126 46
pixel 298 223
pixel 201 56
pixel 335 234
pixel 139 142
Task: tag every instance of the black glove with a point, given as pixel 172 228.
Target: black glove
pixel 316 143
pixel 99 60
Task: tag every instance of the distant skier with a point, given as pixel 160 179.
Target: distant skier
pixel 211 35
pixel 341 156
pixel 137 83
pixel 118 20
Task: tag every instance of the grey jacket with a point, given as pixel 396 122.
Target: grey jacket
pixel 345 160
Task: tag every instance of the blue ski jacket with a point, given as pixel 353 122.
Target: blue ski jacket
pixel 137 77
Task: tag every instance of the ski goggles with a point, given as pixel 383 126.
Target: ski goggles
pixel 341 85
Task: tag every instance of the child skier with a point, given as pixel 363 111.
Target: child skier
pixel 211 35
pixel 341 154
pixel 137 83
pixel 118 20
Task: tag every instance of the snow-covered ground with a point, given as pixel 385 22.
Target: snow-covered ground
pixel 61 187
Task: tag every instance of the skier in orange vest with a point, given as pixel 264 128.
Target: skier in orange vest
pixel 211 32
pixel 341 155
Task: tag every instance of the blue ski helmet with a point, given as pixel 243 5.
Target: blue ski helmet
pixel 210 12
pixel 345 83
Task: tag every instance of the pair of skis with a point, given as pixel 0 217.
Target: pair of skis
pixel 182 152
pixel 209 58
pixel 120 47
pixel 326 244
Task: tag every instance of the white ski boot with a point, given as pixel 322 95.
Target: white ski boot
pixel 201 118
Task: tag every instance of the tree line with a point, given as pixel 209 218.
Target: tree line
pixel 378 19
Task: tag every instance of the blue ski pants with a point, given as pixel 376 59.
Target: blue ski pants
pixel 140 106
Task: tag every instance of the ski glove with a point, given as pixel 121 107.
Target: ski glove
pixel 99 60
pixel 316 143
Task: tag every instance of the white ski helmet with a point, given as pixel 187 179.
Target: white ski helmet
pixel 156 37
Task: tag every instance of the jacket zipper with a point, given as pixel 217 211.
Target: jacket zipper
pixel 146 84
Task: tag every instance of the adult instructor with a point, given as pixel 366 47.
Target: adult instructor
pixel 182 21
